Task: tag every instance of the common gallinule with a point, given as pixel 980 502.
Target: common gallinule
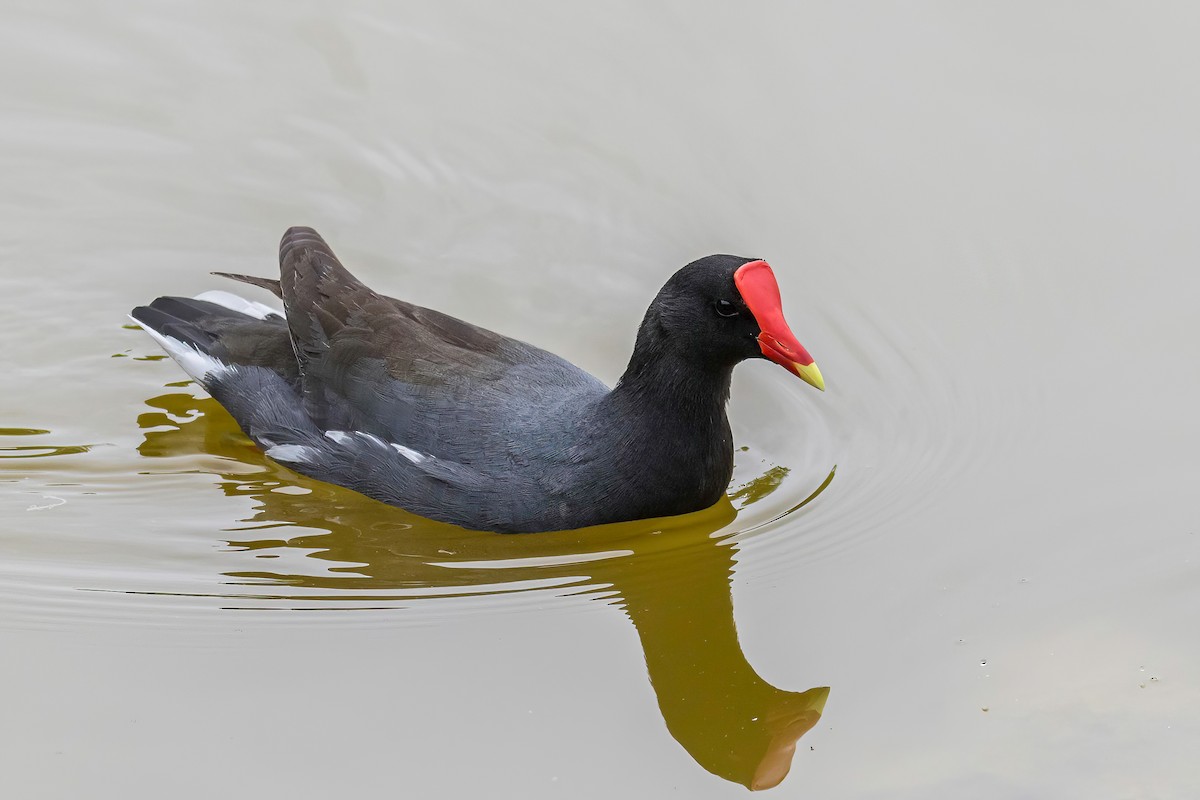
pixel 456 423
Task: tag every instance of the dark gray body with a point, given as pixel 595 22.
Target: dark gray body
pixel 451 421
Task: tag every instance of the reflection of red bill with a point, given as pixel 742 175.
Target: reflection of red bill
pixel 756 283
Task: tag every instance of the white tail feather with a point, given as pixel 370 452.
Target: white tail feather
pixel 235 302
pixel 198 365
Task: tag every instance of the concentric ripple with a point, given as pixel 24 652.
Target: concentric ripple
pixel 814 475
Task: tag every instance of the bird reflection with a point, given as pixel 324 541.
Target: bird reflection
pixel 671 577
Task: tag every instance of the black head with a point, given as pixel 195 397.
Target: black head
pixel 700 315
pixel 720 310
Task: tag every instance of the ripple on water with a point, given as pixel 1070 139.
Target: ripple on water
pixel 815 475
pixel 892 432
pixel 37 450
pixel 298 545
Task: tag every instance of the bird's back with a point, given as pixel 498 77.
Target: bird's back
pixel 402 403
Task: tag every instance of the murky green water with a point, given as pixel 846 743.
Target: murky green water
pixel 970 569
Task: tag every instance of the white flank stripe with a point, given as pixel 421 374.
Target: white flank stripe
pixel 344 437
pixel 410 454
pixel 370 437
pixel 293 453
pixel 235 302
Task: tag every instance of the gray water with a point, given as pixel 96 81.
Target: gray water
pixel 983 219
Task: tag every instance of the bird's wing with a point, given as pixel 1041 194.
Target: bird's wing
pixel 411 374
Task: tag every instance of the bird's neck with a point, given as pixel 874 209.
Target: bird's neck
pixel 674 385
pixel 662 433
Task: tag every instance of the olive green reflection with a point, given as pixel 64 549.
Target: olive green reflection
pixel 671 576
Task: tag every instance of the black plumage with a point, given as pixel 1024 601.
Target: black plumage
pixel 457 423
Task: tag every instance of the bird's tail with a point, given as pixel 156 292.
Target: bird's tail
pixel 188 327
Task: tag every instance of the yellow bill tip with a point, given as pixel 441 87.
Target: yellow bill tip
pixel 809 374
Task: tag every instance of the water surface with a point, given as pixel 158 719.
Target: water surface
pixel 969 569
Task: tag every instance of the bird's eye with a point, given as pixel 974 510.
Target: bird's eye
pixel 725 308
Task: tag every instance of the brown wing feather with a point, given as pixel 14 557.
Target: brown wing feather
pixel 349 339
pixel 325 304
pixel 270 284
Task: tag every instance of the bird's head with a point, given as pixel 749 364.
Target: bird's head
pixel 724 309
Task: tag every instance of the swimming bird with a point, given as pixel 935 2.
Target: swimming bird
pixel 453 422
